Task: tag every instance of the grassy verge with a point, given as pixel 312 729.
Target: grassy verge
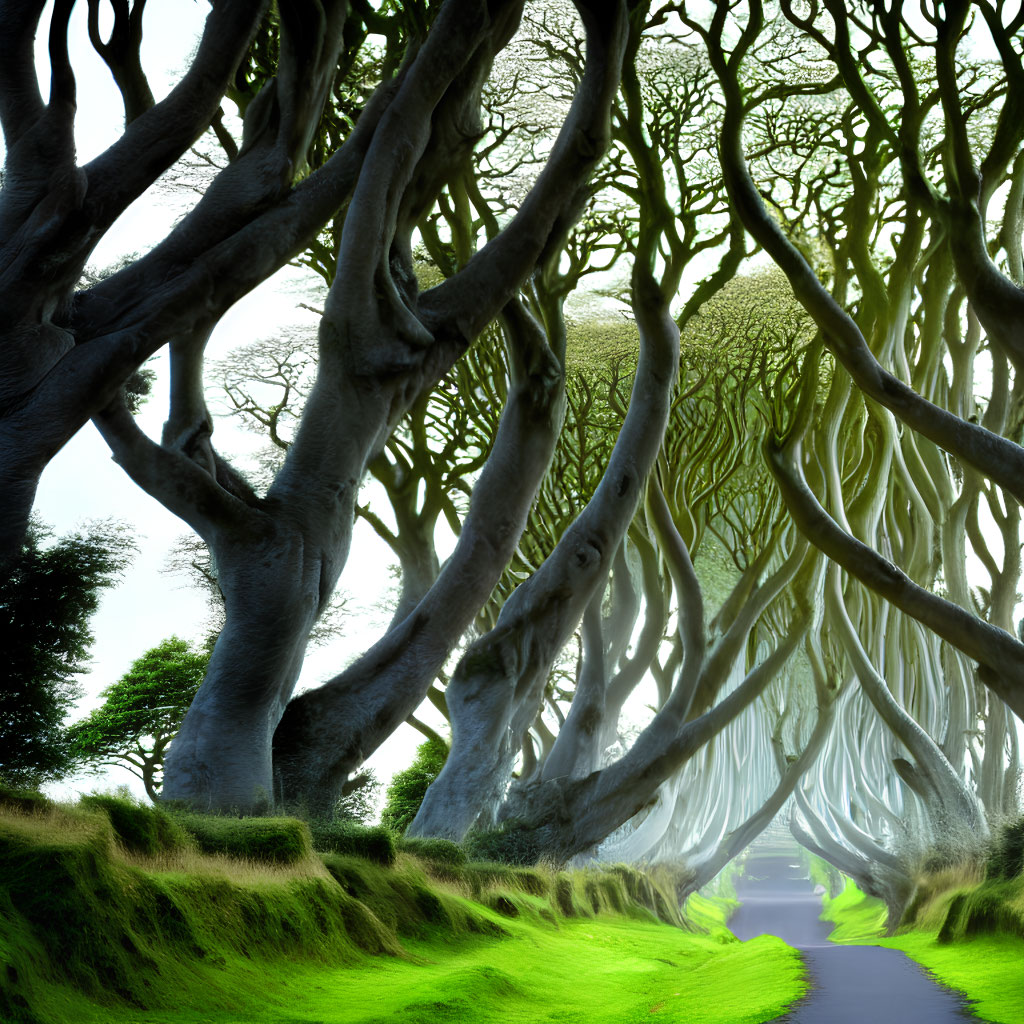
pixel 108 922
pixel 954 933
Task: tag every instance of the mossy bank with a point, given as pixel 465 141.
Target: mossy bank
pixel 114 915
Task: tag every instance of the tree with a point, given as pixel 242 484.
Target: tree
pixel 406 790
pixel 47 597
pixel 382 343
pixel 391 150
pixel 62 363
pixel 890 129
pixel 141 713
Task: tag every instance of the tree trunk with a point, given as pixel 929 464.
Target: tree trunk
pixel 496 689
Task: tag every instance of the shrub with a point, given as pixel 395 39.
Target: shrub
pixel 405 794
pixel 27 800
pixel 1006 855
pixel 514 843
pixel 138 827
pixel 437 851
pixel 373 842
pixel 272 840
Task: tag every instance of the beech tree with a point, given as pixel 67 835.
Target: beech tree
pixel 382 342
pixel 496 691
pixel 944 195
pixel 66 355
pixel 454 172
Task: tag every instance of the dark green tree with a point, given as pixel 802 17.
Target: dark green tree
pixel 141 713
pixel 47 596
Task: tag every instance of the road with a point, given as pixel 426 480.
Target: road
pixel 849 984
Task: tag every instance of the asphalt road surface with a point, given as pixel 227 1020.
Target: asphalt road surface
pixel 849 984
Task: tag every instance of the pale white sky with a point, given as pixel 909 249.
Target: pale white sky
pixel 82 482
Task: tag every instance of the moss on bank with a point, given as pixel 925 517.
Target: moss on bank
pixel 968 933
pixel 111 917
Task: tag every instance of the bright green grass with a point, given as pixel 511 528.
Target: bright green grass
pixel 605 971
pixel 988 969
pixel 90 935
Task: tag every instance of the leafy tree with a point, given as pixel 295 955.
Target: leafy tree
pixel 408 787
pixel 47 596
pixel 358 801
pixel 141 713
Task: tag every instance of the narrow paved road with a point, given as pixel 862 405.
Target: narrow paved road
pixel 849 984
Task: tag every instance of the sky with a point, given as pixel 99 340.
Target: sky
pixel 82 483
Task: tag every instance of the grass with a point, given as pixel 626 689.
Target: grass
pixel 985 960
pixel 98 927
pixel 598 972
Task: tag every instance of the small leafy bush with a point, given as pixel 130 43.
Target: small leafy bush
pixel 513 843
pixel 437 851
pixel 272 840
pixel 349 838
pixel 1006 855
pixel 27 800
pixel 138 827
pixel 408 787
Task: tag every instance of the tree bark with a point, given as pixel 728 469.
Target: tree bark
pixel 497 687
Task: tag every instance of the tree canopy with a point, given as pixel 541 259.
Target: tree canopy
pixel 141 713
pixel 48 594
pixel 695 324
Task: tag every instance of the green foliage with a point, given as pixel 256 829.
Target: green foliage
pixel 408 787
pixel 513 843
pixel 138 827
pixel 437 851
pixel 26 800
pixel 271 840
pixel 1006 856
pixel 47 596
pixel 360 803
pixel 372 842
pixel 142 711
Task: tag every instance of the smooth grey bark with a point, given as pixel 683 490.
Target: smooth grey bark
pixel 327 732
pixel 381 347
pixel 791 772
pixel 607 674
pixel 951 804
pixel 463 305
pixel 590 809
pixel 997 299
pixel 496 689
pixel 575 815
pixel 893 889
pixel 575 753
pixel 1000 655
pixel 997 457
pixel 53 213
